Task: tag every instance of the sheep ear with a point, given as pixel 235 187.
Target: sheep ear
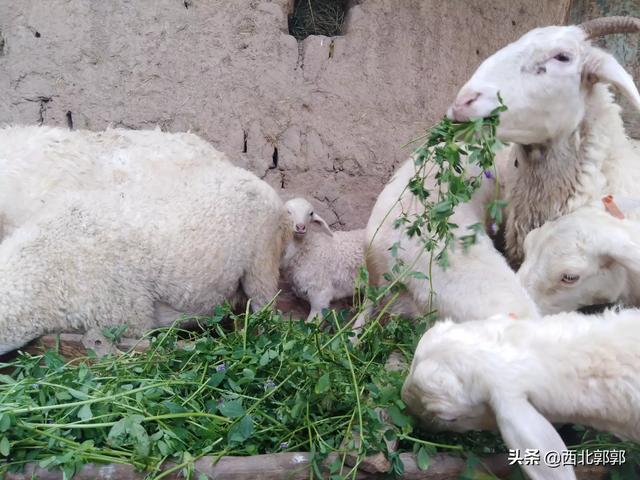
pixel 623 251
pixel 525 430
pixel 318 219
pixel 602 66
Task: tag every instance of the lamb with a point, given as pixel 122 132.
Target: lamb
pixel 37 164
pixel 570 144
pixel 462 290
pixel 520 376
pixel 320 266
pixel 142 256
pixel 588 257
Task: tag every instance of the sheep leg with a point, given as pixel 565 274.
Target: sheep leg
pixel 164 315
pixel 318 302
pixel 260 282
pixel 363 316
pixel 314 312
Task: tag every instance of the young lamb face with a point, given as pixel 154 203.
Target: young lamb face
pixel 543 79
pixel 302 215
pixel 436 393
pixel 578 260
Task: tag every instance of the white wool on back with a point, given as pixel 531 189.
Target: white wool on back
pixel 142 255
pixel 37 164
pixel 322 268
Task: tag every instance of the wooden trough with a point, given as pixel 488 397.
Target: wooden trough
pixel 276 466
pixel 296 466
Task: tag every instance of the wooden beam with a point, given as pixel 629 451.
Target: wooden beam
pixel 292 466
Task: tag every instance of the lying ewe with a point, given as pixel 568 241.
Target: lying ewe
pixel 587 257
pixel 521 375
pixel 570 144
pixel 476 284
pixel 37 164
pixel 142 256
pixel 320 266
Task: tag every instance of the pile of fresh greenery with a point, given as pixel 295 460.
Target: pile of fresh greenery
pixel 456 156
pixel 276 385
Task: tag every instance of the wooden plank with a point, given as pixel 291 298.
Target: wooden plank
pixel 71 345
pixel 293 466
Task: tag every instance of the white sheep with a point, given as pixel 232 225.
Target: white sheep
pixel 37 164
pixel 142 255
pixel 570 144
pixel 523 375
pixel 588 257
pixel 476 284
pixel 321 267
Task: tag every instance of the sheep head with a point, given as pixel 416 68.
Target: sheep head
pixel 580 259
pixel 302 215
pixel 435 390
pixel 544 78
pixel 476 376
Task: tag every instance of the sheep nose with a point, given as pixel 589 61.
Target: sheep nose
pixel 466 99
pixel 301 228
pixel 460 111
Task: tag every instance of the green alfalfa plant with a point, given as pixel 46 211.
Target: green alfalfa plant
pixel 276 385
pixel 447 154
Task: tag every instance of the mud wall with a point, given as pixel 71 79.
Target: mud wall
pixel 325 117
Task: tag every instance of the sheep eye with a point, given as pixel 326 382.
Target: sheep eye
pixel 562 57
pixel 568 278
pixel 448 419
pixel 311 214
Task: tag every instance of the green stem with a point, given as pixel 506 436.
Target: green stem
pixel 166 416
pixel 430 444
pixel 356 391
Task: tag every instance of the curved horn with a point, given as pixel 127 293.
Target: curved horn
pixel 607 25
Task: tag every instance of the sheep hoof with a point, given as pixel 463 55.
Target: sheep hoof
pixel 94 339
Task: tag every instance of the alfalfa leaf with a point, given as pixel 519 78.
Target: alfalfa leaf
pixel 241 431
pixel 85 412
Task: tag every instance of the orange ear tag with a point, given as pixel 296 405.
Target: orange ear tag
pixel 611 207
